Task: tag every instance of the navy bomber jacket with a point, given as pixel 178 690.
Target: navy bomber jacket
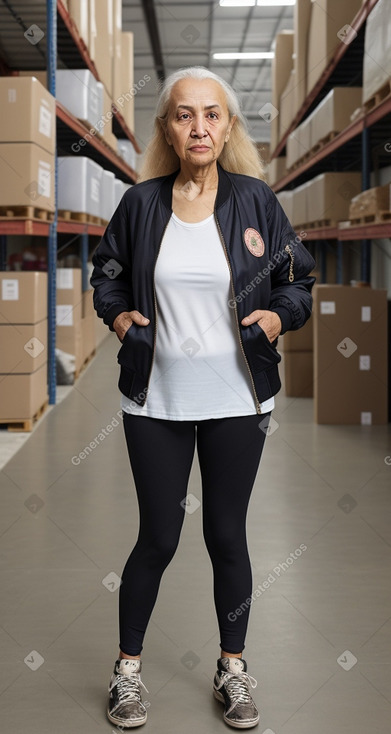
pixel 269 269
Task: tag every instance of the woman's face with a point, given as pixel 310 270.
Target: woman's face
pixel 198 123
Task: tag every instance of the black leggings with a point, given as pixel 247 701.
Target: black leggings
pixel 161 455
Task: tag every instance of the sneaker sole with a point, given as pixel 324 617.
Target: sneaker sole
pixel 244 725
pixel 125 724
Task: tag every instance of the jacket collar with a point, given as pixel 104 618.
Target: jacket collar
pixel 223 189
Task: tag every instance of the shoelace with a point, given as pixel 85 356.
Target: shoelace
pixel 127 688
pixel 237 687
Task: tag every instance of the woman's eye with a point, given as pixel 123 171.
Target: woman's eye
pixel 184 115
pixel 214 115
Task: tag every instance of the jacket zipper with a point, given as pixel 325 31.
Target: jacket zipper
pixel 257 401
pixel 155 307
pixel 291 276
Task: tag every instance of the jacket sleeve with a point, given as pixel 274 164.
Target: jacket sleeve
pixel 290 266
pixel 111 276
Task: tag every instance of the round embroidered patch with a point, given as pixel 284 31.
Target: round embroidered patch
pixel 254 242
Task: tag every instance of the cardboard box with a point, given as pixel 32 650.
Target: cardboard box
pixel 28 112
pixel 30 176
pixel 287 105
pixel 286 200
pixel 23 297
pixel 377 50
pixel 330 194
pixel 350 355
pixel 282 65
pixel 127 78
pixel 298 374
pixel 299 205
pixel 23 348
pixel 332 115
pixel 117 50
pixel 39 74
pixel 100 39
pixel 328 17
pixel 302 16
pixel 300 340
pixel 68 298
pixel 292 147
pixel 370 202
pixel 21 396
pixel 79 12
pixel 276 169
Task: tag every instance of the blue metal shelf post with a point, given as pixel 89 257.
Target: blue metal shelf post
pixel 51 47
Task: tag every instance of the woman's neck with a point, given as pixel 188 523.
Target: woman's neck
pixel 206 178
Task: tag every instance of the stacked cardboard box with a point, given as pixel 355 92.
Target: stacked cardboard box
pixel 276 169
pixel 371 202
pixel 334 112
pixel 100 39
pixel 377 51
pixel 302 15
pixel 350 355
pixel 281 68
pixel 69 314
pixel 27 134
pixel 297 347
pixel 23 344
pixel 329 195
pixel 328 23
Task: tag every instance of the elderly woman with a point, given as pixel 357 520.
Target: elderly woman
pixel 198 272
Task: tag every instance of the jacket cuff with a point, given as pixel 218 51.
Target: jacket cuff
pixel 286 318
pixel 112 313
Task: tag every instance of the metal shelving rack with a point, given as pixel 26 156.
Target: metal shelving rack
pixel 62 39
pixel 353 143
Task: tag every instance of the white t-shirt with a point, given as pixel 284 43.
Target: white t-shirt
pixel 198 371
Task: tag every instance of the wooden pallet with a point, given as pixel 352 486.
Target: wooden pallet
pixel 25 212
pixel 27 424
pixel 85 364
pixel 68 216
pixel 320 224
pixel 324 141
pixel 377 218
pixel 378 97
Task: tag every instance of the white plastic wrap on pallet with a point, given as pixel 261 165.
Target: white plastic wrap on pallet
pixel 78 91
pixel 107 195
pixel 127 152
pixel 79 185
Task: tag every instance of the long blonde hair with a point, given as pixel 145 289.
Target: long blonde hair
pixel 239 155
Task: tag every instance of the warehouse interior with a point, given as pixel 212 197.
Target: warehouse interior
pixel 79 81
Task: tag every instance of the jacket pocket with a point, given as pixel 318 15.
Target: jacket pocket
pixel 265 354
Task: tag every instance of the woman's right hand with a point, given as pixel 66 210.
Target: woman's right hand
pixel 125 319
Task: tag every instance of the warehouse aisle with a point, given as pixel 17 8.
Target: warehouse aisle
pixel 320 542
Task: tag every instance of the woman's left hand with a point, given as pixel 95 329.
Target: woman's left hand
pixel 269 321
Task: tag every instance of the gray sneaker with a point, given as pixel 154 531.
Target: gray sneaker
pixel 125 707
pixel 231 686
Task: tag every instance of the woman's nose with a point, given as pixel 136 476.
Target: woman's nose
pixel 199 127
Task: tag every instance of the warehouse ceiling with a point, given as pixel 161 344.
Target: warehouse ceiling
pixel 189 33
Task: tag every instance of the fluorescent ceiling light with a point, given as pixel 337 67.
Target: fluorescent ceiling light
pixel 245 55
pixel 262 3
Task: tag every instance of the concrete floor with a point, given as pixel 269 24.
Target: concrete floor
pixel 319 636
